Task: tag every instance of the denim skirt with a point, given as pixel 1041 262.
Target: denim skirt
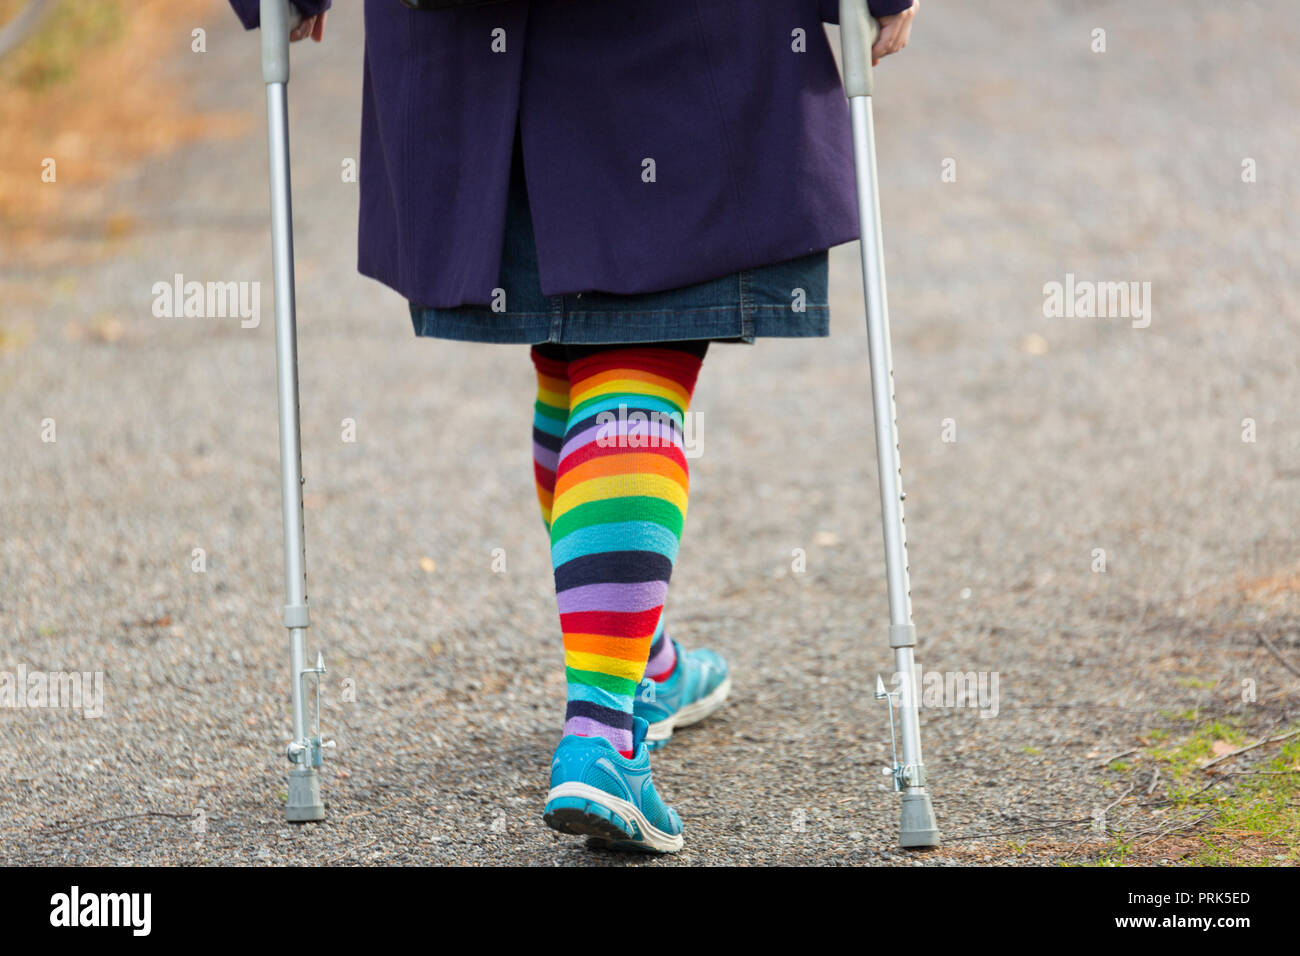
pixel 786 299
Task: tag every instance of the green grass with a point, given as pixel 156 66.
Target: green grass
pixel 50 55
pixel 1181 759
pixel 1254 818
pixel 1116 855
pixel 1263 812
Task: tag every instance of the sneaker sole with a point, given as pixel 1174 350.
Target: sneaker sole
pixel 692 713
pixel 583 810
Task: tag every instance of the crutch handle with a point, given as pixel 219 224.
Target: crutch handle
pixel 858 33
pixel 276 17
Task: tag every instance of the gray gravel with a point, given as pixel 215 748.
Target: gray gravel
pixel 1072 435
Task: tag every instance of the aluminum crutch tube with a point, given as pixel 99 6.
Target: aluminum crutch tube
pixel 304 751
pixel 858 32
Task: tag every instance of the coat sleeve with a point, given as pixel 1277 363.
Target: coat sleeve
pixel 879 8
pixel 247 10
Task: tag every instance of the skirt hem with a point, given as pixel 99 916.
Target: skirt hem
pixel 606 328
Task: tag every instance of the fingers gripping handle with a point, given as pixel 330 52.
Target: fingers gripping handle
pixel 276 17
pixel 858 32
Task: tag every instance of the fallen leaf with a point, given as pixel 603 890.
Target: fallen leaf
pixel 119 224
pixel 106 329
pixel 1034 344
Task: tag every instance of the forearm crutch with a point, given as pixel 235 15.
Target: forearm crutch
pixel 305 750
pixel 858 32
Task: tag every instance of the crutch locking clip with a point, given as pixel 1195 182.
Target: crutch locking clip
pixel 311 750
pixel 905 776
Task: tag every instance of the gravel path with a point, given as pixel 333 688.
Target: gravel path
pixel 1072 434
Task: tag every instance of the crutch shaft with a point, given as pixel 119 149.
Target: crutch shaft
pixel 858 32
pixel 286 350
pixel 882 365
pixel 304 802
pixel 885 411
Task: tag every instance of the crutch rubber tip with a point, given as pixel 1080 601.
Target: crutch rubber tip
pixel 918 829
pixel 304 804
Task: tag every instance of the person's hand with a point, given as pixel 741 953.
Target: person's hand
pixel 314 27
pixel 894 32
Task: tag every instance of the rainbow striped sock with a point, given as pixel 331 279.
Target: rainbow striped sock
pixel 620 497
pixel 663 656
pixel 550 414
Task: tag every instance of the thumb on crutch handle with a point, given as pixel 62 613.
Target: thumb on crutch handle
pixel 858 33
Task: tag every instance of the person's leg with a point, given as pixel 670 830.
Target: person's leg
pixel 663 655
pixel 620 498
pixel 550 414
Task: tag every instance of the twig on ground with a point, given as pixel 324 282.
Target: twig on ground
pixel 1267 773
pixel 1278 654
pixel 351 850
pixel 1001 833
pixel 1110 760
pixel 125 816
pixel 1112 804
pixel 1184 825
pixel 1242 750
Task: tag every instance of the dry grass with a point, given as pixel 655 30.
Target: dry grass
pixel 1273 587
pixel 91 91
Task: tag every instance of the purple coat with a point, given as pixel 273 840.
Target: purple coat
pixel 666 142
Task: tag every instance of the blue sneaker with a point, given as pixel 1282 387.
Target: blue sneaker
pixel 697 688
pixel 599 793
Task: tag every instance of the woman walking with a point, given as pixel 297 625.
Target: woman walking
pixel 618 185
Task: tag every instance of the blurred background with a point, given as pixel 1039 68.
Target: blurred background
pixel 1103 515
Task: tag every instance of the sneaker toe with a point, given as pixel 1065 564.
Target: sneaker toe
pixel 712 669
pixel 677 825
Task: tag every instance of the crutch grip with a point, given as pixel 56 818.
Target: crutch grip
pixel 858 33
pixel 276 17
